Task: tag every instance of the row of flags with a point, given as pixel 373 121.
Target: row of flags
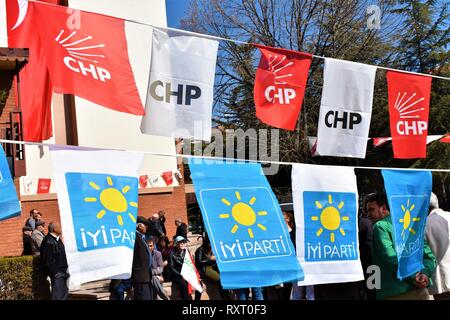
pixel 98 204
pixel 31 185
pixel 71 54
pixel 378 142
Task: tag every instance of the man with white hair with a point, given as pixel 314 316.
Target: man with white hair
pixel 438 237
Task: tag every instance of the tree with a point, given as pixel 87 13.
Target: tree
pixel 336 29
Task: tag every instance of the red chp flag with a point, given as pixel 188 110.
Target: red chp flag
pixel 446 138
pixel 87 55
pixel 280 86
pixel 409 104
pixel 44 185
pixel 35 87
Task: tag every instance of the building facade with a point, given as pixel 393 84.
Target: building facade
pixel 80 122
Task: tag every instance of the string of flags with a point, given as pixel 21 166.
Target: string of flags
pixel 98 189
pixel 98 202
pixel 93 63
pixel 378 142
pixel 31 185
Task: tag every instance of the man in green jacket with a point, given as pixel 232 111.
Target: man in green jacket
pixel 385 257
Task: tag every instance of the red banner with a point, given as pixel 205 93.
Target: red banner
pixel 35 87
pixel 446 139
pixel 143 180
pixel 168 178
pixel 44 185
pixel 87 55
pixel 280 86
pixel 409 104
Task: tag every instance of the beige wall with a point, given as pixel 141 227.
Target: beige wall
pixel 102 127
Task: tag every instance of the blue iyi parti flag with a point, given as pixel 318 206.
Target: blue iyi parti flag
pixel 98 204
pixel 245 225
pixel 9 203
pixel 409 197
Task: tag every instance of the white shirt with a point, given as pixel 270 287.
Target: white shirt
pixel 438 237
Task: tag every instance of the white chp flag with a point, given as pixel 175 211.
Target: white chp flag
pixel 325 208
pixel 189 272
pixel 98 204
pixel 345 109
pixel 180 90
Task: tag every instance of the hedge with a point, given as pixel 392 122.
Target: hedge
pixel 20 279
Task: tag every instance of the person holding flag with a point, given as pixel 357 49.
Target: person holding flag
pixel 176 261
pixel 384 254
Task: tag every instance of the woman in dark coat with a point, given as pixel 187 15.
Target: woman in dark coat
pixel 176 259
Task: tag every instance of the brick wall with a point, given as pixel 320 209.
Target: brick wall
pixel 11 229
pixel 174 203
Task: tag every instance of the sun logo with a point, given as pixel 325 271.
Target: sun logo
pixel 243 214
pixel 406 220
pixel 330 218
pixel 113 200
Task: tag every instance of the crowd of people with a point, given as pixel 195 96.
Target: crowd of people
pixel 158 259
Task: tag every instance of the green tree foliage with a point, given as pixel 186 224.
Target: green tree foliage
pixel 413 36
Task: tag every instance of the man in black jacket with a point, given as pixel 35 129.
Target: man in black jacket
pixel 141 269
pixel 182 229
pixel 27 241
pixel 54 262
pixel 156 230
pixel 162 220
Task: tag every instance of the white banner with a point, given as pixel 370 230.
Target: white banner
pixel 98 204
pixel 325 207
pixel 180 90
pixel 189 272
pixel 345 109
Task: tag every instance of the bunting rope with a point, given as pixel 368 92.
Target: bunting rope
pixel 314 56
pixel 243 42
pixel 186 156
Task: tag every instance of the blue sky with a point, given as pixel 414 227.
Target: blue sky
pixel 175 11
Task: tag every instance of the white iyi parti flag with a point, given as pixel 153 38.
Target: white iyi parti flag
pixel 189 272
pixel 180 90
pixel 325 207
pixel 98 204
pixel 345 109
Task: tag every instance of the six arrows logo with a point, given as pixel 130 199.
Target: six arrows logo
pixel 79 51
pixel 276 65
pixel 409 109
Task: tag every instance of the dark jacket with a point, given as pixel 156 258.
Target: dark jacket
pixel 162 221
pixel 140 272
pixel 182 230
pixel 202 260
pixel 53 256
pixel 365 242
pixel 175 264
pixel 27 245
pixel 156 229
